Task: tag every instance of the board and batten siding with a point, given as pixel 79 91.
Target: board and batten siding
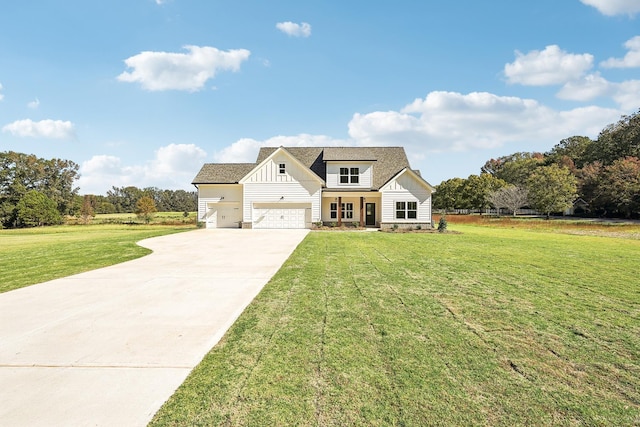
pixel 216 193
pixel 267 185
pixel 405 189
pixel 333 175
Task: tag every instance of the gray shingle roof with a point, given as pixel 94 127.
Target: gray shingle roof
pixel 222 173
pixel 388 162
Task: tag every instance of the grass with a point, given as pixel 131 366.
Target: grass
pixel 34 255
pixel 493 326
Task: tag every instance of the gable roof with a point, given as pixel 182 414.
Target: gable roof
pixel 286 151
pixel 388 160
pixel 387 163
pixel 222 173
pixel 416 175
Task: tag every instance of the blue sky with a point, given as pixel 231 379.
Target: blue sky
pixel 143 92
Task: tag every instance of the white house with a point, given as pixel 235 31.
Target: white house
pixel 296 187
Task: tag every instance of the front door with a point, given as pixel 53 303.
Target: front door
pixel 370 214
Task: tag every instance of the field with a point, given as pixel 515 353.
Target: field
pixel 503 324
pixel 34 255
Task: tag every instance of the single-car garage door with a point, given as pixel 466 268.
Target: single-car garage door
pixel 281 216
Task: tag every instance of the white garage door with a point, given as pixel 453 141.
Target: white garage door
pixel 223 216
pixel 280 216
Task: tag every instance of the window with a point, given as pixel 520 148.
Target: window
pixel 406 210
pixel 347 210
pixel 349 175
pixel 282 168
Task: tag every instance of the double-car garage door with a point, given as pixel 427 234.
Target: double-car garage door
pixel 281 216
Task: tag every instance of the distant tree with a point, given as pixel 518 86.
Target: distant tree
pixel 514 168
pixel 621 185
pixel 145 208
pixel 617 141
pixel 590 187
pixel 511 197
pixel 551 189
pixel 575 148
pixel 477 189
pixel 449 194
pixel 87 212
pixel 36 209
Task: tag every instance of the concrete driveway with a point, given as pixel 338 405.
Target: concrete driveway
pixel 108 347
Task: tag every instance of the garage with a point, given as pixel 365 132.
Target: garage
pixel 223 215
pixel 282 216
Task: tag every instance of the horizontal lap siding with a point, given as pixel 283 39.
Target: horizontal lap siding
pixel 405 189
pixel 212 193
pixel 333 175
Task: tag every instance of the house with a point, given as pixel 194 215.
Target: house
pixel 297 187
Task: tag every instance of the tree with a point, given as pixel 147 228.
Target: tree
pixel 514 168
pixel 449 194
pixel 621 185
pixel 617 141
pixel 551 189
pixel 575 148
pixel 87 211
pixel 477 189
pixel 511 197
pixel 35 209
pixel 145 208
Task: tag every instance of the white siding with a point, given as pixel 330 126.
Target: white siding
pixel 267 185
pixel 405 189
pixel 282 194
pixel 333 175
pixel 216 193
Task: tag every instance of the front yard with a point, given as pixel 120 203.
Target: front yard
pixel 490 327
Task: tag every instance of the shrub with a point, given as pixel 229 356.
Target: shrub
pixel 442 224
pixel 394 227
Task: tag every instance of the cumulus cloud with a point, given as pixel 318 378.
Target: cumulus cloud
pixel 157 71
pixel 172 167
pixel 547 67
pixel 53 129
pixel 630 60
pixel 294 30
pixel 615 7
pixel 245 150
pixel 451 121
pixel 587 88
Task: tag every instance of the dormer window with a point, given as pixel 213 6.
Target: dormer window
pixel 349 175
pixel 282 168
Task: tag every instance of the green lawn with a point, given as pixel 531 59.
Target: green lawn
pixel 494 327
pixel 34 255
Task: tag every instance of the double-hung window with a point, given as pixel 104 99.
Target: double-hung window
pixel 347 210
pixel 349 175
pixel 406 210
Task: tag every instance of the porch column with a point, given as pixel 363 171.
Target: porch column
pixel 362 212
pixel 339 211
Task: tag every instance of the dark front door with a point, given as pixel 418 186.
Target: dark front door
pixel 370 214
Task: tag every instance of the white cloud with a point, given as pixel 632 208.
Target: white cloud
pixel 293 29
pixel 245 150
pixel 1 95
pixel 157 71
pixel 34 104
pixel 630 60
pixel 615 7
pixel 450 121
pixel 587 88
pixel 547 67
pixel 627 95
pixel 54 129
pixel 173 167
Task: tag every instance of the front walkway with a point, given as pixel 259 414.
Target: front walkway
pixel 108 347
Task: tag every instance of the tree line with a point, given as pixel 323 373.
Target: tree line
pixel 36 191
pixel 603 173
